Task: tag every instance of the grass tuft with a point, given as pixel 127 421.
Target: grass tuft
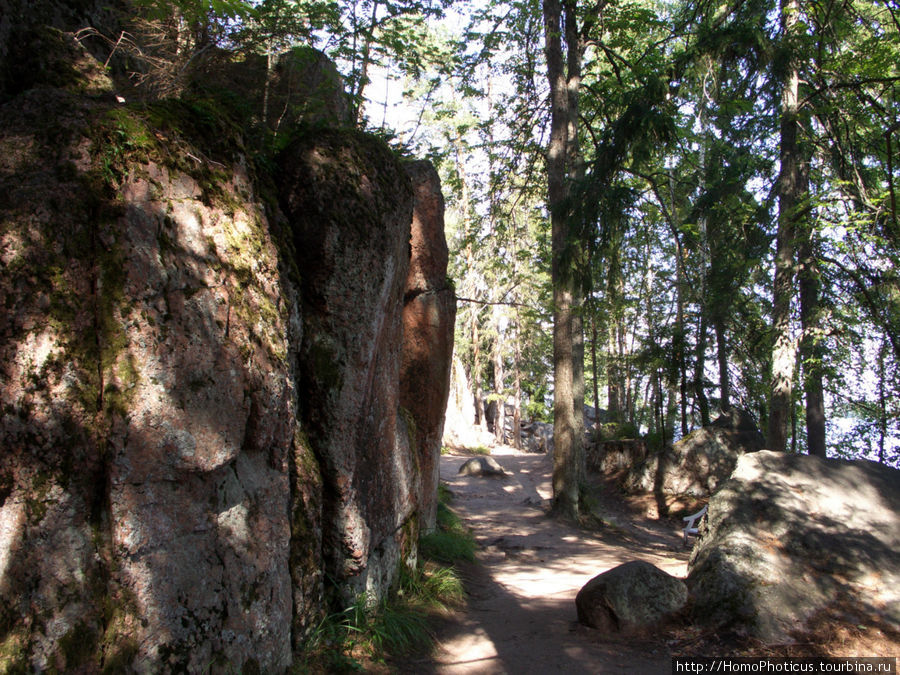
pixel 451 541
pixel 367 632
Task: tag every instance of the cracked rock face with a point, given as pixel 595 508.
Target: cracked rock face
pixel 350 206
pixel 148 419
pixel 201 416
pixel 429 313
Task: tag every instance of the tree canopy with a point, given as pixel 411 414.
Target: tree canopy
pixel 702 195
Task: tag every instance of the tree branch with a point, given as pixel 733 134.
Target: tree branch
pixel 495 302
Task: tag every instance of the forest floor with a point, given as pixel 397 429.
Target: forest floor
pixel 520 615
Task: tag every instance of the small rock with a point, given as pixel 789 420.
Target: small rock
pixel 481 466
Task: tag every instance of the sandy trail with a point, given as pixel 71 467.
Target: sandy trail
pixel 521 612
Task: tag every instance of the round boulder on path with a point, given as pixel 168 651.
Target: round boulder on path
pixel 481 466
pixel 630 598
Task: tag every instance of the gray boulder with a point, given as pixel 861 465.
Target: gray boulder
pixel 789 535
pixel 537 437
pixel 630 598
pixel 481 466
pixel 697 463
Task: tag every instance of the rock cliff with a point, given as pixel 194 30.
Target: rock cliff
pixel 700 461
pixel 200 383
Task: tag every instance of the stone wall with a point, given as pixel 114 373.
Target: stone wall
pixel 200 385
pixel 349 203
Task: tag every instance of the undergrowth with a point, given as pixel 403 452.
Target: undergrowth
pixel 450 541
pixel 368 632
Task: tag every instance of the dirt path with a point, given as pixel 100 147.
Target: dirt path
pixel 521 612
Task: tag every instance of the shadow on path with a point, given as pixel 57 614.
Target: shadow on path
pixel 521 611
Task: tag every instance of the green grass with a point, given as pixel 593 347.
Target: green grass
pixel 450 542
pixel 367 632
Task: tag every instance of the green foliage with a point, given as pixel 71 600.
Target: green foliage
pixel 196 10
pixel 451 541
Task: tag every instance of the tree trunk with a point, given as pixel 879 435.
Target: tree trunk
pixel 575 169
pixel 475 369
pixel 594 371
pixel 517 391
pixel 882 401
pixel 722 357
pixel 680 339
pixel 614 384
pixel 699 391
pixel 499 379
pixel 811 351
pixel 366 58
pixel 566 450
pixel 789 190
pixel 671 411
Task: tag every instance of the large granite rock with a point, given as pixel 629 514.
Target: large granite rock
pixel 788 535
pixel 630 598
pixel 148 420
pixel 538 437
pixel 350 206
pixel 162 507
pixel 304 86
pixel 697 463
pixel 481 466
pixel 460 427
pixel 429 313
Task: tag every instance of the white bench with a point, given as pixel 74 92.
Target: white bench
pixel 690 526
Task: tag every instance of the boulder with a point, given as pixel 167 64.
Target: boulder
pixel 630 598
pixel 429 312
pixel 481 466
pixel 538 437
pixel 697 463
pixel 304 86
pixel 609 457
pixel 500 418
pixel 350 205
pixel 788 535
